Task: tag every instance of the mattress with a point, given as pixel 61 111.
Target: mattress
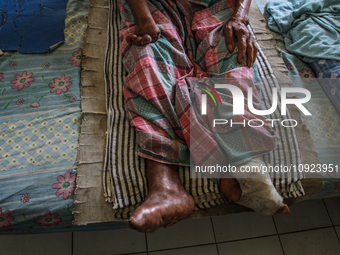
pixel 79 188
pixel 123 171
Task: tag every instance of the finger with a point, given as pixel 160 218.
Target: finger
pixel 138 40
pixel 130 38
pixel 146 39
pixel 250 55
pixel 255 50
pixel 155 38
pixel 242 46
pixel 229 38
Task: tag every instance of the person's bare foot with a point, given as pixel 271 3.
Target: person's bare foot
pixel 167 201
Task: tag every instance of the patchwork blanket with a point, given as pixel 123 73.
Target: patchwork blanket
pixel 328 72
pixel 40 119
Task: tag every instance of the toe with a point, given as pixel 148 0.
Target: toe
pixel 136 223
pixel 231 189
pixel 283 210
pixel 145 219
pixel 146 39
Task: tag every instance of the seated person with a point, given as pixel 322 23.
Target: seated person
pixel 163 43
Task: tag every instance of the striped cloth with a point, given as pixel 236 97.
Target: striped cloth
pixel 125 176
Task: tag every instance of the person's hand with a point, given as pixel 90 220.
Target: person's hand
pixel 145 33
pixel 237 26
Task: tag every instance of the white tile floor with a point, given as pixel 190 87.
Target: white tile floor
pixel 313 227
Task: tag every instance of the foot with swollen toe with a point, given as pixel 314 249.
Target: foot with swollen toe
pixel 146 30
pixel 256 192
pixel 146 33
pixel 167 201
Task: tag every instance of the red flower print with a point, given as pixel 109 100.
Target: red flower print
pixel 76 59
pixel 20 101
pixel 25 198
pixel 5 218
pixel 35 105
pixel 46 65
pixel 22 81
pixel 60 84
pixel 66 185
pixel 337 185
pixel 1 77
pixel 73 99
pixel 290 66
pixel 307 75
pixel 48 219
pixel 331 173
pixel 85 7
pixel 13 64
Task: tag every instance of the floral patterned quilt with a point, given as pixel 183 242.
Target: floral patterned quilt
pixel 324 124
pixel 40 119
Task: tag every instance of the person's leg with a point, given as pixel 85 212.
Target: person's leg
pixel 154 70
pixel 167 201
pixel 214 58
pixel 258 191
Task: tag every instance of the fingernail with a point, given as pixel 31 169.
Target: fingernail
pixel 230 47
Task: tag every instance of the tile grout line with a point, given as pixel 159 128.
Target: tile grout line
pixel 136 253
pixel 146 244
pixel 277 233
pixel 212 225
pixel 305 230
pixel 336 233
pixel 182 247
pixel 329 216
pixel 191 246
pixel 245 239
pixel 72 244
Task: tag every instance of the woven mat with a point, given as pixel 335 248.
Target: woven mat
pixel 111 163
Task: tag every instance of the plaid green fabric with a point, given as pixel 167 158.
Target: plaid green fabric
pixel 192 45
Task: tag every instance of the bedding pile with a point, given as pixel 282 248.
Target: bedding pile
pixel 24 23
pixel 311 29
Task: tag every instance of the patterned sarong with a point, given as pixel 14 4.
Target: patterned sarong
pixel 192 44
